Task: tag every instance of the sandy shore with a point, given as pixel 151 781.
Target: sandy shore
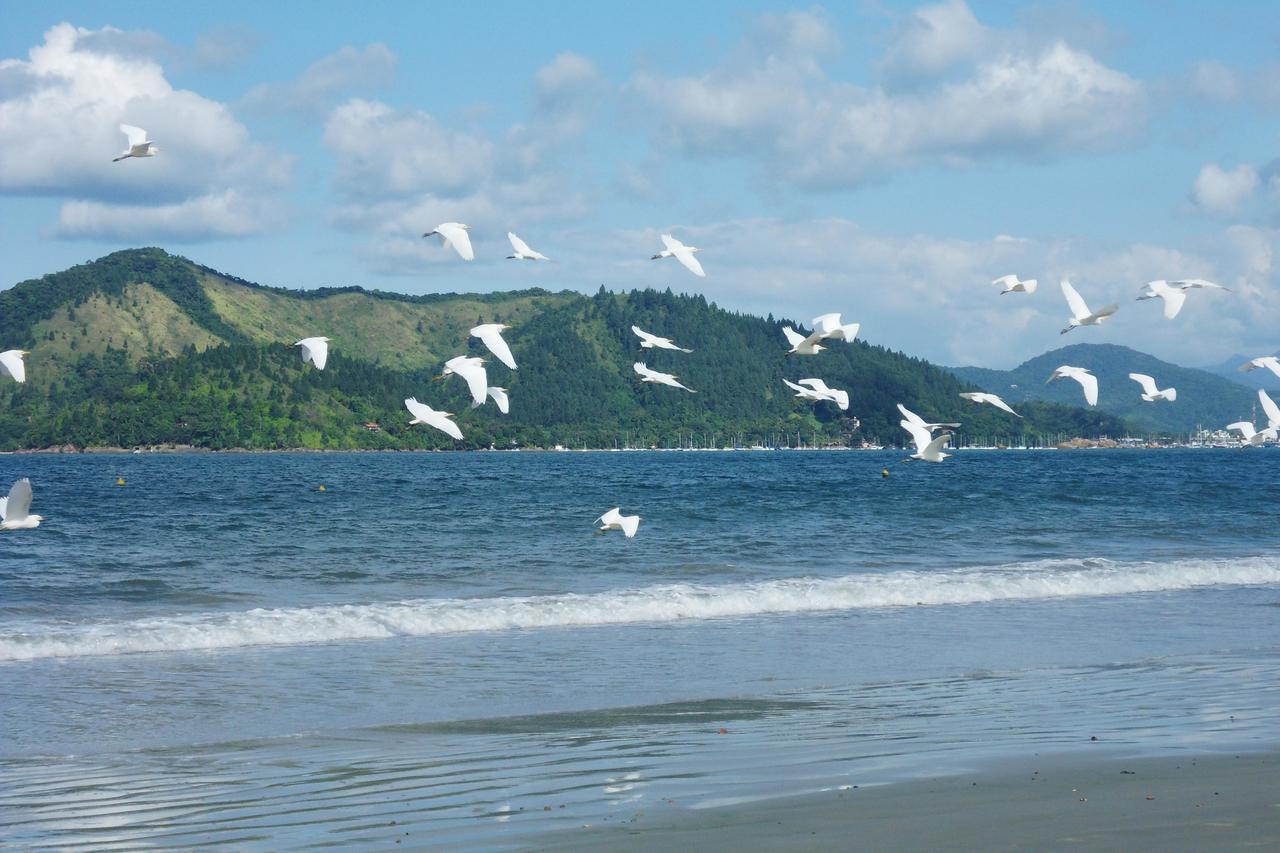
pixel 1220 802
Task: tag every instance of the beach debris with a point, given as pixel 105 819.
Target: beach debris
pixel 119 481
pixel 1095 737
pixel 724 731
pixel 1150 798
pixel 321 487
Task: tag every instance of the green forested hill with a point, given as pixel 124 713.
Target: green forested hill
pixel 1203 398
pixel 142 347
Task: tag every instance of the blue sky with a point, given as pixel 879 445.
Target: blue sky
pixel 886 160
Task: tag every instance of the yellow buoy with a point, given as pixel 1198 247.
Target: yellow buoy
pixel 884 472
pixel 119 481
pixel 322 488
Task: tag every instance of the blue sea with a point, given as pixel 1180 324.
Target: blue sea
pixel 437 649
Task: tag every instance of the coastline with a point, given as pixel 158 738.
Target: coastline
pixel 1227 801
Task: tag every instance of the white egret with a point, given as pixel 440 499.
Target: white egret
pixel 1270 362
pixel 15 510
pixel 830 327
pixel 916 420
pixel 454 234
pixel 682 253
pixel 1251 436
pixel 648 341
pixel 835 395
pixel 992 399
pixel 139 145
pixel 1080 313
pixel 615 520
pixel 522 250
pixel 1012 284
pixel 315 350
pixel 1087 381
pixel 472 370
pixel 500 397
pixel 491 335
pixel 802 344
pixel 928 448
pixel 647 375
pixel 1174 293
pixel 11 364
pixel 424 414
pixel 1149 391
pixel 804 392
pixel 1269 406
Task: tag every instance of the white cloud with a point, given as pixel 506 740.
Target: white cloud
pixel 314 91
pixel 1217 190
pixel 777 105
pixel 224 214
pixel 59 121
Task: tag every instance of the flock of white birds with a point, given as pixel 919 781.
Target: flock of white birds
pixel 15 510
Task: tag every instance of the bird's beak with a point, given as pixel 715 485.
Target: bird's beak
pixel 437 378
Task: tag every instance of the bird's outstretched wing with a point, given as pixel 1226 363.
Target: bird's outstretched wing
pixel 521 247
pixel 1148 383
pixel 1106 311
pixel 1188 283
pixel 11 362
pixel 500 397
pixel 613 516
pixel 491 335
pixel 453 234
pixel 936 445
pixel 1173 300
pixel 920 436
pixel 1089 383
pixel 18 504
pixel 686 257
pixel 995 400
pixel 477 379
pixel 1074 301
pixel 315 351
pixel 630 524
pixel 136 135
pixel 1269 406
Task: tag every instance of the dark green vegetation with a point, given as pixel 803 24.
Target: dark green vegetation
pixel 146 348
pixel 1203 398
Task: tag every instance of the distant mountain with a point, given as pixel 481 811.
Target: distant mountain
pixel 142 347
pixel 1203 397
pixel 1230 369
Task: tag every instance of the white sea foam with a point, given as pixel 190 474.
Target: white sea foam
pixel 424 617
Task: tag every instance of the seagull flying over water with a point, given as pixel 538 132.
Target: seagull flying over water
pixel 15 510
pixel 1174 293
pixel 615 520
pixel 682 253
pixel 424 414
pixel 1080 313
pixel 1087 381
pixel 139 145
pixel 1270 362
pixel 647 375
pixel 454 234
pixel 915 420
pixel 1149 391
pixel 928 448
pixel 315 350
pixel 648 341
pixel 522 250
pixel 984 397
pixel 816 390
pixel 1252 437
pixel 11 364
pixel 472 370
pixel 1012 284
pixel 1269 406
pixel 491 335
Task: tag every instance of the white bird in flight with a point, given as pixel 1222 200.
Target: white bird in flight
pixel 139 145
pixel 992 399
pixel 424 414
pixel 315 350
pixel 647 375
pixel 682 253
pixel 615 520
pixel 1087 381
pixel 816 390
pixel 491 335
pixel 915 420
pixel 1150 392
pixel 1269 406
pixel 15 510
pixel 829 327
pixel 928 448
pixel 1080 313
pixel 1251 436
pixel 500 397
pixel 802 344
pixel 648 341
pixel 522 250
pixel 454 234
pixel 1012 284
pixel 1174 293
pixel 11 363
pixel 1270 362
pixel 472 370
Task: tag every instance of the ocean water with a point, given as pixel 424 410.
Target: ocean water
pixel 437 648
